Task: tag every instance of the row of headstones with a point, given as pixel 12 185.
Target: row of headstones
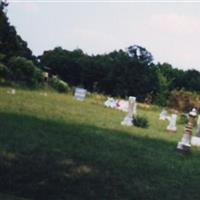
pixel 184 144
pixel 79 94
pixel 172 121
pixel 119 104
pixel 14 91
pixel 187 140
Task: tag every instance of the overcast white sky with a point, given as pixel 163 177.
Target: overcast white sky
pixel 170 31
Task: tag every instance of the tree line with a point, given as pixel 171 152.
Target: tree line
pixel 121 73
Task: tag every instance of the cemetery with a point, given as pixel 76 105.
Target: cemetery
pixel 109 122
pixel 82 142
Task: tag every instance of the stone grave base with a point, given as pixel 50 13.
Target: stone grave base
pixel 195 141
pixel 183 148
pixel 171 130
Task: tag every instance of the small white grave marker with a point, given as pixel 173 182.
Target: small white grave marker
pixel 172 123
pixel 80 94
pixel 128 120
pixel 195 140
pixel 122 105
pixel 163 115
pixel 110 103
pixel 12 91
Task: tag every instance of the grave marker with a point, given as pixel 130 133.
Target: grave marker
pixel 163 115
pixel 195 141
pixel 128 120
pixel 184 145
pixel 172 123
pixel 80 94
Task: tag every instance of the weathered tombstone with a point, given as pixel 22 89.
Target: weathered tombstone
pixel 163 115
pixel 80 94
pixel 172 123
pixel 46 76
pixel 12 91
pixel 195 141
pixel 128 120
pixel 184 145
pixel 122 105
pixel 110 103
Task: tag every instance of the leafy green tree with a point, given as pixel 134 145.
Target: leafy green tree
pixel 11 44
pixel 23 71
pixel 140 54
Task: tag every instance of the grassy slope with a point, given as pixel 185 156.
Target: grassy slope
pixel 57 148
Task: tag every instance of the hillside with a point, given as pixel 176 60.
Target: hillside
pixel 54 147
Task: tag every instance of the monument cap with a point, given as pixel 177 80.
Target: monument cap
pixel 193 113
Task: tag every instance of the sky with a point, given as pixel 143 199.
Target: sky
pixel 169 30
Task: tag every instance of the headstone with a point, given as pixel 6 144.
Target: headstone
pixel 163 115
pixel 43 94
pixel 110 103
pixel 172 123
pixel 195 141
pixel 12 91
pixel 80 94
pixel 46 76
pixel 122 105
pixel 184 145
pixel 128 120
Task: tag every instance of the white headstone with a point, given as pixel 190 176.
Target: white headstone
pixel 110 103
pixel 128 120
pixel 122 105
pixel 80 94
pixel 172 123
pixel 163 115
pixel 12 91
pixel 184 145
pixel 195 140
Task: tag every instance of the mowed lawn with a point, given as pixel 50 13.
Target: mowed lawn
pixel 56 148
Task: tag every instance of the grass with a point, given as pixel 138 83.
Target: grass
pixel 53 147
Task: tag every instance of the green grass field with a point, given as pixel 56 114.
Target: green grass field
pixel 56 148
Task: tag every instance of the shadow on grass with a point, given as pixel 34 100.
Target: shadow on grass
pixel 44 159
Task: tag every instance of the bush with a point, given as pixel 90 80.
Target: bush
pixel 141 122
pixel 59 85
pixel 3 73
pixel 23 71
pixel 184 100
pixel 183 119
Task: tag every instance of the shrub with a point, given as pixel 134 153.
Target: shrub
pixel 23 71
pixel 183 119
pixel 3 73
pixel 184 100
pixel 141 122
pixel 59 85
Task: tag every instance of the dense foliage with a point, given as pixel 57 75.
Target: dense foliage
pixel 116 73
pixel 141 121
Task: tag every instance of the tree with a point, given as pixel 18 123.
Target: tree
pixel 140 54
pixel 23 71
pixel 11 44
